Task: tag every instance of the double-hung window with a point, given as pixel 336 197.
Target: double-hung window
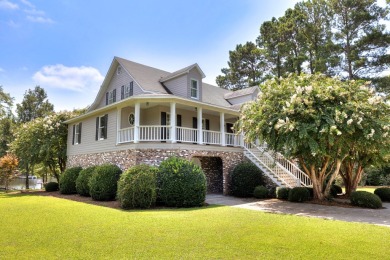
pixel 127 91
pixel 111 97
pixel 194 89
pixel 76 134
pixel 101 127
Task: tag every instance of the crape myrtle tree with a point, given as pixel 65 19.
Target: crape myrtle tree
pixel 43 140
pixel 8 167
pixel 317 120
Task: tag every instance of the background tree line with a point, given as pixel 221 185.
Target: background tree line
pixel 342 38
pixel 33 139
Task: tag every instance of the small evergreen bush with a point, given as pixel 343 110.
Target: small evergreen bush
pixel 68 180
pixel 335 190
pixel 245 177
pixel 282 193
pixel 51 186
pixel 137 187
pixel 298 194
pixel 311 191
pixel 181 183
pixel 366 200
pixel 383 193
pixel 82 186
pixel 103 183
pixel 260 192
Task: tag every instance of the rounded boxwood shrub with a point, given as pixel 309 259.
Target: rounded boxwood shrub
pixel 51 186
pixel 103 183
pixel 68 180
pixel 335 190
pixel 181 183
pixel 137 187
pixel 383 193
pixel 365 199
pixel 82 186
pixel 260 192
pixel 282 193
pixel 298 194
pixel 245 177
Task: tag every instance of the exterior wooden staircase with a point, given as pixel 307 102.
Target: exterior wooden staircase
pixel 281 171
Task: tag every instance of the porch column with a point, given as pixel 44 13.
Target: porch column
pixel 118 124
pixel 137 108
pixel 222 127
pixel 173 122
pixel 200 129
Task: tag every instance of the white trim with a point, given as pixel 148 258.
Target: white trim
pixel 173 121
pixel 197 88
pixel 200 125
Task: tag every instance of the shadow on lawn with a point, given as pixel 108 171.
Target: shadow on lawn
pixel 88 200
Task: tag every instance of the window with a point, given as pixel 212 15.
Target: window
pixel 119 70
pixel 76 134
pixel 194 89
pixel 131 119
pixel 111 97
pixel 168 119
pixel 101 127
pixel 127 91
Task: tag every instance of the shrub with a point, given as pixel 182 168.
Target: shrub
pixel 260 192
pixel 282 193
pixel 311 191
pixel 335 189
pixel 181 183
pixel 298 194
pixel 137 187
pixel 51 186
pixel 68 180
pixel 383 193
pixel 104 182
pixel 366 200
pixel 82 186
pixel 245 177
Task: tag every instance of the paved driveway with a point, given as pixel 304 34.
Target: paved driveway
pixel 373 216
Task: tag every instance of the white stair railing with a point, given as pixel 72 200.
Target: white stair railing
pixel 285 171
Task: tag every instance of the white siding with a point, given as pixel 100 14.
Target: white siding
pixel 117 81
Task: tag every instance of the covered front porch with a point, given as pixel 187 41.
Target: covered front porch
pixel 173 122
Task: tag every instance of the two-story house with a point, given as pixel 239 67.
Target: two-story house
pixel 144 115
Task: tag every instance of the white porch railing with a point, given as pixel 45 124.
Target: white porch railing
pixel 186 134
pixel 154 132
pixel 233 139
pixel 211 137
pixel 126 135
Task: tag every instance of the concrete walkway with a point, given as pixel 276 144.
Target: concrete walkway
pixel 372 216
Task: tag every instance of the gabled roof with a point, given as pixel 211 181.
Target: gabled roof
pixel 214 95
pixel 241 92
pixel 183 71
pixel 146 77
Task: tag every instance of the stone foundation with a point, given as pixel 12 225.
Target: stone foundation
pixel 128 158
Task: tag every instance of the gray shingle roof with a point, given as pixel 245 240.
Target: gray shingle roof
pixel 241 92
pixel 147 77
pixel 214 95
pixel 182 71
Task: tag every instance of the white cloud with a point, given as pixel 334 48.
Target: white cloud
pixel 27 3
pixel 73 78
pixel 5 4
pixel 39 19
pixel 34 11
pixel 13 24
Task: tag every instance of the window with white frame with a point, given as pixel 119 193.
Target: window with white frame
pixel 119 70
pixel 128 91
pixel 101 127
pixel 194 89
pixel 131 119
pixel 110 97
pixel 77 134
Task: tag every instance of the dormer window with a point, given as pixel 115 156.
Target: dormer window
pixel 194 89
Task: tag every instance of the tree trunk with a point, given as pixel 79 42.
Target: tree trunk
pixel 27 181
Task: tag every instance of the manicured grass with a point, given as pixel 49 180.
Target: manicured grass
pixel 45 227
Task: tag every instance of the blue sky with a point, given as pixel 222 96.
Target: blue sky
pixel 66 46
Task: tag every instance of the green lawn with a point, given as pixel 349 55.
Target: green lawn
pixel 38 227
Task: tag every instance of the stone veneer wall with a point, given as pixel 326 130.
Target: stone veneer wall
pixel 213 169
pixel 127 158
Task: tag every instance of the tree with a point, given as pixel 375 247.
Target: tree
pixel 34 105
pixel 246 68
pixel 8 166
pixel 315 119
pixel 6 102
pixel 361 37
pixel 6 135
